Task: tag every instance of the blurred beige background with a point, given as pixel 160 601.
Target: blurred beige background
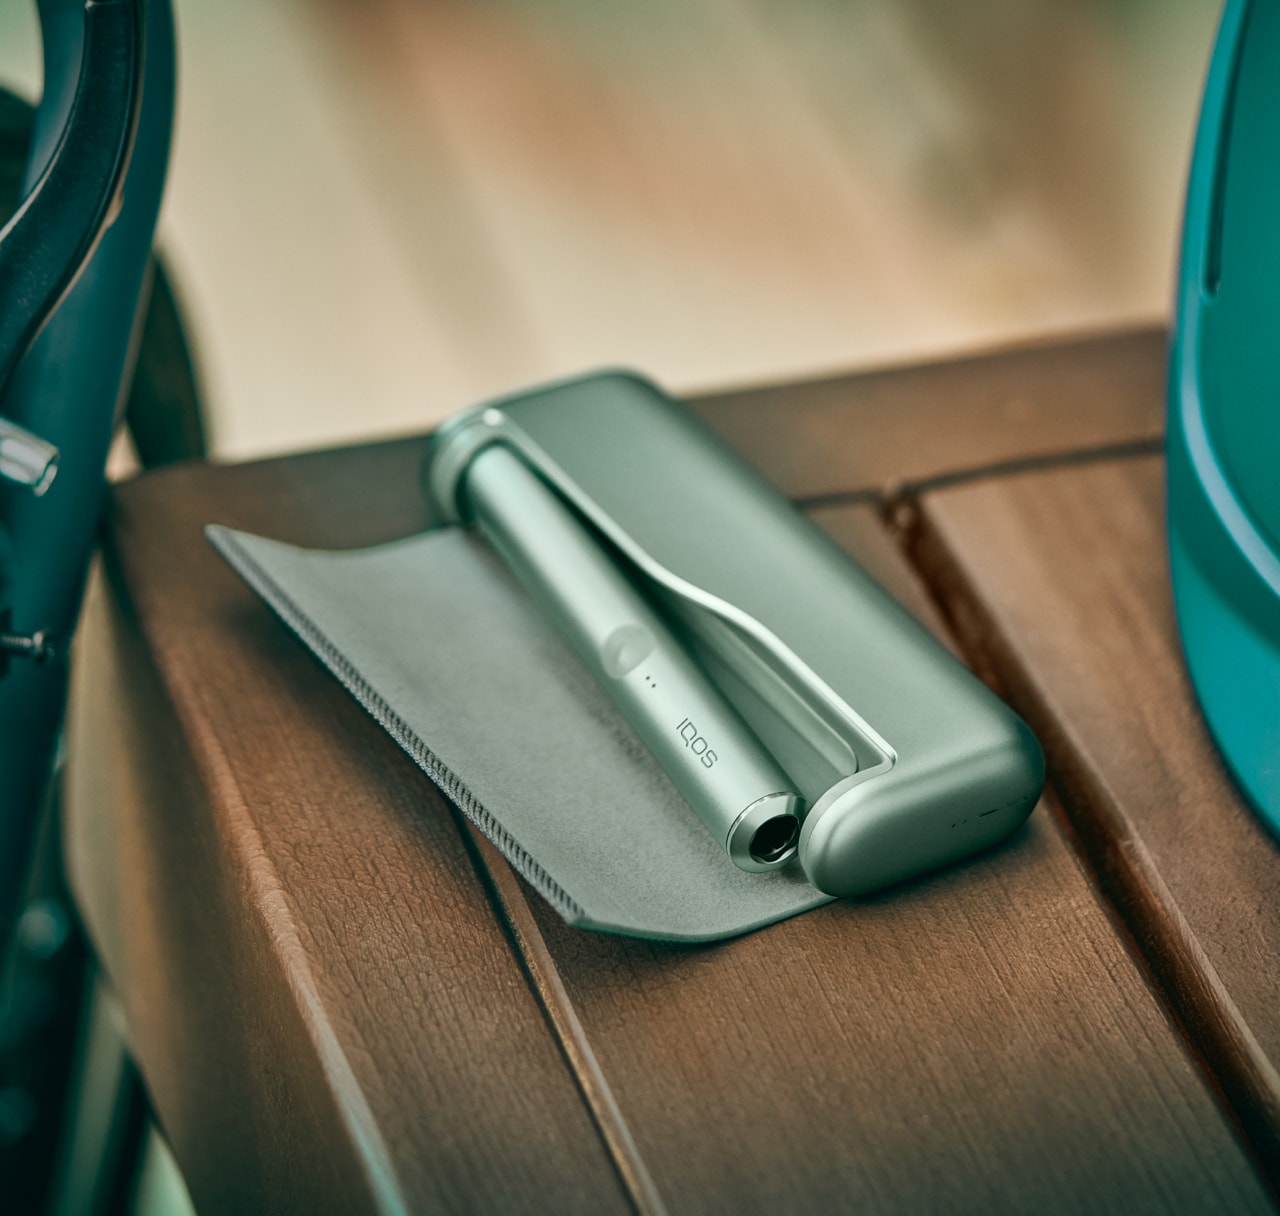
pixel 381 211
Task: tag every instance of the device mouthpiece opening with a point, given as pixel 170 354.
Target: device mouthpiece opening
pixel 766 834
pixel 774 841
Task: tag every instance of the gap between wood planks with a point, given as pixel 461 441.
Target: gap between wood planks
pixel 907 492
pixel 1116 864
pixel 516 917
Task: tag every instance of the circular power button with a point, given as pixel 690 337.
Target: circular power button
pixel 624 649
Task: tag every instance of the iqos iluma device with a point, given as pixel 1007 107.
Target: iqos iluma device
pixel 721 768
pixel 666 560
pixel 1224 424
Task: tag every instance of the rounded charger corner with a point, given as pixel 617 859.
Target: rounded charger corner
pixel 904 823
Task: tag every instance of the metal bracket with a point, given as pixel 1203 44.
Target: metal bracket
pixel 36 646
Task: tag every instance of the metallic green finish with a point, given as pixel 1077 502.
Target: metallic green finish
pixel 908 761
pixel 703 745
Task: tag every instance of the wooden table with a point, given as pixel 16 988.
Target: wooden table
pixel 341 999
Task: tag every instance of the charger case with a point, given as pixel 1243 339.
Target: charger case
pixel 906 761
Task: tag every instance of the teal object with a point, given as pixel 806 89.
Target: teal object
pixel 1224 407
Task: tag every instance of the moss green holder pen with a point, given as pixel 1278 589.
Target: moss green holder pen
pixel 725 774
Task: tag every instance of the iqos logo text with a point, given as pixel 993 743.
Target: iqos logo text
pixel 696 743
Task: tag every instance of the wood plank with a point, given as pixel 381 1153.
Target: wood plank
pixel 325 1012
pixel 1061 578
pixel 889 431
pixel 969 1040
pixel 965 1042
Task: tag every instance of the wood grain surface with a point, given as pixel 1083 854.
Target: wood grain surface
pixel 899 430
pixel 326 1013
pixel 978 1041
pixel 1062 579
pixel 325 968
